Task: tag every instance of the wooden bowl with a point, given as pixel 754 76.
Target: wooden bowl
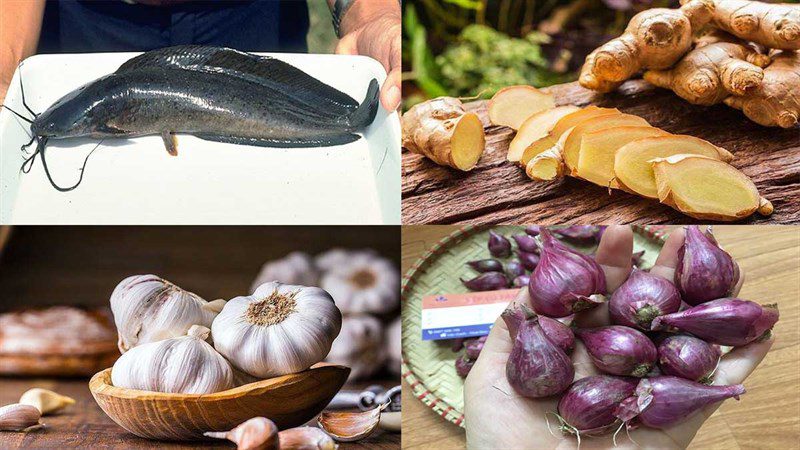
pixel 289 401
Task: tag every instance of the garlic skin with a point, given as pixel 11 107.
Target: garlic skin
pixel 279 329
pixel 185 365
pixel 147 308
pixel 359 346
pixel 335 257
pixel 46 401
pixel 394 346
pixel 294 268
pixel 258 433
pixel 16 417
pixel 363 283
pixel 306 438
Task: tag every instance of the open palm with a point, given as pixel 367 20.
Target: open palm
pixel 497 417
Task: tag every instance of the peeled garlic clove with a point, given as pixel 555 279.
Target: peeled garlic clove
pixel 45 401
pixel 278 330
pixel 16 417
pixel 147 309
pixel 258 433
pixel 350 426
pixel 186 365
pixel 306 438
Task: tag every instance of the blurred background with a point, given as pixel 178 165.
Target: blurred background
pixel 472 48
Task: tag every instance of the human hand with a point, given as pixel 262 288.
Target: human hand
pixel 373 29
pixel 497 417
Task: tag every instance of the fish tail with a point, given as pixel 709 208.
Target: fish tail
pixel 365 113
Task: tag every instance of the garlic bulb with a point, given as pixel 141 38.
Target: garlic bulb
pixel 294 268
pixel 280 329
pixel 337 256
pixel 147 308
pixel 363 283
pixel 359 346
pixel 393 346
pixel 186 365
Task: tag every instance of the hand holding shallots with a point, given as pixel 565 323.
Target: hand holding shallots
pixel 491 400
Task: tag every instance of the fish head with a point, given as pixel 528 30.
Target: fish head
pixel 72 115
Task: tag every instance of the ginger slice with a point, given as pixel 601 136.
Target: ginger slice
pixel 534 128
pixel 546 166
pixel 512 105
pixel 633 169
pixel 570 151
pixel 596 161
pixel 443 131
pixel 562 126
pixel 707 188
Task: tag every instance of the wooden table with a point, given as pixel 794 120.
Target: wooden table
pixel 84 425
pixel 767 417
pixel 497 191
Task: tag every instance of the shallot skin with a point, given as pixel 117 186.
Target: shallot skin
pixel 688 357
pixel 588 406
pixel 705 272
pixel 565 280
pixel 619 350
pixel 726 321
pixel 642 298
pixel 536 367
pixel 661 402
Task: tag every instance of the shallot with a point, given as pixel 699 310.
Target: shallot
pixel 528 260
pixel 499 246
pixel 661 402
pixel 565 280
pixel 489 281
pixel 532 230
pixel 537 367
pixel 726 321
pixel 587 408
pixel 619 350
pixel 514 269
pixel 581 233
pixel 463 366
pixel 559 333
pixel 521 281
pixel 642 298
pixel 486 265
pixel 705 271
pixel 473 347
pixel 688 357
pixel 526 243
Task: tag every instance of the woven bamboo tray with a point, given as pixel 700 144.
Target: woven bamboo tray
pixel 429 366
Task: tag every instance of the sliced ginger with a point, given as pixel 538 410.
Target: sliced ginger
pixel 443 131
pixel 596 161
pixel 632 162
pixel 534 128
pixel 563 125
pixel 512 105
pixel 706 188
pixel 571 148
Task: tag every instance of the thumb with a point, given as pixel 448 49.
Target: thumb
pixel 390 91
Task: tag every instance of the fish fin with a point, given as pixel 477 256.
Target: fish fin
pixel 365 113
pixel 170 142
pixel 322 140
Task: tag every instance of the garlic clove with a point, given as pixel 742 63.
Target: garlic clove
pixel 214 306
pixel 306 438
pixel 258 433
pixel 17 417
pixel 45 401
pixel 347 426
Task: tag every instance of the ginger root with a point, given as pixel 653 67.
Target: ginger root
pixel 776 101
pixel 772 25
pixel 707 189
pixel 512 105
pixel 534 128
pixel 443 131
pixel 715 69
pixel 598 148
pixel 654 39
pixel 632 162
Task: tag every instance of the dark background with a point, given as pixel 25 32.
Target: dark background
pixel 43 266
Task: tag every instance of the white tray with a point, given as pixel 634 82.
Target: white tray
pixel 135 181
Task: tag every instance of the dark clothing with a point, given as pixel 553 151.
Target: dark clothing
pixel 82 26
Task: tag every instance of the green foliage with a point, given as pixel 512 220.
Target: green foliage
pixel 424 70
pixel 483 60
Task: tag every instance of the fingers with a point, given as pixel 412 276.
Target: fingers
pixel 667 260
pixel 614 255
pixel 348 45
pixel 390 92
pixel 741 362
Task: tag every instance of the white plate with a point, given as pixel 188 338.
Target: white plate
pixel 135 181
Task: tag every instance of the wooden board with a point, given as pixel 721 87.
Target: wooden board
pixel 765 418
pixel 497 191
pixel 85 426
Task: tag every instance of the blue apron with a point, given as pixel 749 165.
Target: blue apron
pixel 81 26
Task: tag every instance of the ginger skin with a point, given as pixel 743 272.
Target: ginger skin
pixel 776 101
pixel 718 67
pixel 654 39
